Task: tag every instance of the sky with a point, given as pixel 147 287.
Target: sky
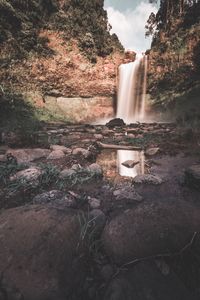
pixel 128 19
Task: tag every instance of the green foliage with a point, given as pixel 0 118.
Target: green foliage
pixel 8 169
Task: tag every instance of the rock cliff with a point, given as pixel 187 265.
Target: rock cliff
pixel 174 73
pixel 54 50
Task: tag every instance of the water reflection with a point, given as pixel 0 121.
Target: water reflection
pixel 137 156
pixel 111 162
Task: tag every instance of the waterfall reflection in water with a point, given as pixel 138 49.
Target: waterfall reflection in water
pixel 124 155
pixel 111 162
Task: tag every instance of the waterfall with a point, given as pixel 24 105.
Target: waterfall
pixel 132 90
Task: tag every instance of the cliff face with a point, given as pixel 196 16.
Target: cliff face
pixel 52 49
pixel 174 73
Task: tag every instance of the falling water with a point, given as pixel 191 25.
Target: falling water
pixel 132 90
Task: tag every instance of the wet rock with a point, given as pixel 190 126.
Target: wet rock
pixel 94 203
pixel 115 122
pixel 127 192
pixel 81 151
pixel 130 163
pixel 48 197
pixel 28 155
pixel 56 154
pixel 152 151
pixel 150 229
pixel 148 179
pixel 31 174
pixel 192 176
pixel 67 173
pixel 144 282
pixel 62 148
pixel 41 253
pixel 95 169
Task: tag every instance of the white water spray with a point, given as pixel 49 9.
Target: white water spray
pixel 132 90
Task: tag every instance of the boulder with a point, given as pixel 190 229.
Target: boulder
pixel 127 192
pixel 148 179
pixel 95 170
pixel 62 148
pixel 115 122
pixel 58 198
pixel 48 197
pixel 56 154
pixel 42 255
pixel 150 229
pixel 31 174
pixel 152 151
pixel 81 151
pixel 28 155
pixel 192 176
pixel 67 173
pixel 144 281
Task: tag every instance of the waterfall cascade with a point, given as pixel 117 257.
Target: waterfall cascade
pixel 132 90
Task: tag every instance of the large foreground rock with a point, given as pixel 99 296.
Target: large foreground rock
pixel 192 176
pixel 144 281
pixel 149 230
pixel 41 255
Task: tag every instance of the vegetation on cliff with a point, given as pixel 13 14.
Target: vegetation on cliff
pixel 45 48
pixel 174 57
pixel 86 21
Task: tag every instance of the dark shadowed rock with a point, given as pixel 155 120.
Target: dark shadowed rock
pixel 148 179
pixel 42 255
pixel 144 281
pixel 115 122
pixel 192 176
pixel 150 229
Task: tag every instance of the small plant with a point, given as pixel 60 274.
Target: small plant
pixel 9 168
pixel 50 174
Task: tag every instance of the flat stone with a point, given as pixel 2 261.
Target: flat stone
pixel 127 192
pixel 56 154
pixel 148 179
pixel 48 197
pixel 62 148
pixel 130 163
pixel 28 155
pixel 152 151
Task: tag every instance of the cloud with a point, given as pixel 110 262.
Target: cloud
pixel 129 26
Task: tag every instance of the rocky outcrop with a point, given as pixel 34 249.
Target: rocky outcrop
pixel 173 81
pixel 60 55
